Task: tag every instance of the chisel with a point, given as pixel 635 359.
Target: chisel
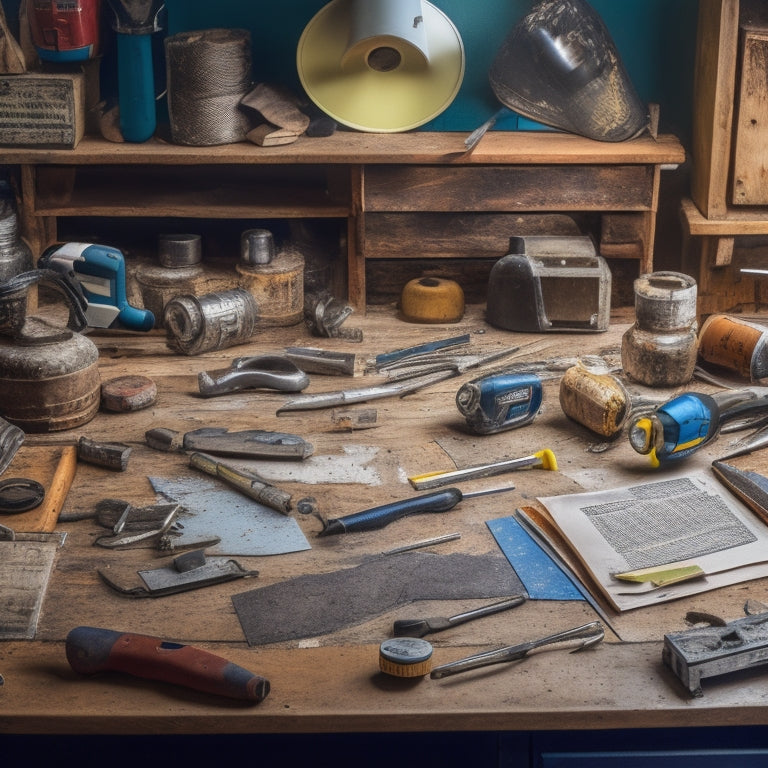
pixel 92 649
pixel 544 459
pixel 379 517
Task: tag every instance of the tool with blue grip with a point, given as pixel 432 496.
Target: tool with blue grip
pixel 684 424
pixel 135 23
pixel 100 272
pixel 379 517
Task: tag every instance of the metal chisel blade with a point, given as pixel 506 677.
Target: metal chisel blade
pixel 749 487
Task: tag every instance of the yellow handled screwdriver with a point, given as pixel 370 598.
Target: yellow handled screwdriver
pixel 544 459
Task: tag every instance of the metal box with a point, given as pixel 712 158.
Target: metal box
pixel 550 283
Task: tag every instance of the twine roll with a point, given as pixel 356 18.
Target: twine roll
pixel 208 72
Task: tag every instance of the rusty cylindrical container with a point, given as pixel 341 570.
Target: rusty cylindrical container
pixel 217 320
pixel 660 349
pixel 276 283
pixel 178 271
pixel 49 387
pixel 736 345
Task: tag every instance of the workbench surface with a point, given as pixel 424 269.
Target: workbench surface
pixel 331 683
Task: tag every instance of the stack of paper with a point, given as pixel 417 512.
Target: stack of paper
pixel 659 527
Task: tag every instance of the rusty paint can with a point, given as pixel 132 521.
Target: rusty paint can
pixel 277 287
pixel 49 387
pixel 179 271
pixel 736 345
pixel 660 349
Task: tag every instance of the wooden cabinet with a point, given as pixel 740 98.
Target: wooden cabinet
pixel 408 196
pixel 729 173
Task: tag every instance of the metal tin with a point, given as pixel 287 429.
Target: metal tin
pixel 660 349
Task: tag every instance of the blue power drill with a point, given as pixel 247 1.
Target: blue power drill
pixel 100 271
pixel 682 425
pixel 498 402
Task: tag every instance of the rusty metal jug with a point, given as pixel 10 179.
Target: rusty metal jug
pixel 49 376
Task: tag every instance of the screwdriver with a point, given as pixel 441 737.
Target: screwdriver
pixel 379 517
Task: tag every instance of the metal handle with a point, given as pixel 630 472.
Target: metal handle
pixel 590 634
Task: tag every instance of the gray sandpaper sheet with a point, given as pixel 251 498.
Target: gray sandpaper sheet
pixel 243 526
pixel 317 604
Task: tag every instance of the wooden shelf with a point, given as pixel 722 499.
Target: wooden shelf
pixel 352 148
pixel 358 177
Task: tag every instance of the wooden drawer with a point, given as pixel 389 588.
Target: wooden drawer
pixel 508 188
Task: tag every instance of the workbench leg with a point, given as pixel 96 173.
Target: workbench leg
pixel 356 242
pixel 38 231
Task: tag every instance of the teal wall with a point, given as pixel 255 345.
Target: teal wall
pixel 656 39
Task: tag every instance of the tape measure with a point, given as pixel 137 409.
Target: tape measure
pixel 405 657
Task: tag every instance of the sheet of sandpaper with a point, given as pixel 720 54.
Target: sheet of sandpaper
pixel 317 604
pixel 243 526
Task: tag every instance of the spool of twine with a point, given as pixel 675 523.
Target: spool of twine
pixel 208 72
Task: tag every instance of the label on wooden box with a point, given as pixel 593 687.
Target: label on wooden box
pixel 42 110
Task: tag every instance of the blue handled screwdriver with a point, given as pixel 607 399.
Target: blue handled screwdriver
pixel 379 517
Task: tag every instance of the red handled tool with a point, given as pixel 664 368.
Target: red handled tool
pixel 91 650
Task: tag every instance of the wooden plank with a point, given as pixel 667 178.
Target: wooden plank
pixel 509 188
pixel 422 236
pixel 739 221
pixel 332 690
pixel 211 192
pixel 750 156
pixel 331 683
pixel 713 95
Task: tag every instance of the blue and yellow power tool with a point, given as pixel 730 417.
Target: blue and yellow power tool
pixel 681 426
pixel 100 271
pixel 501 401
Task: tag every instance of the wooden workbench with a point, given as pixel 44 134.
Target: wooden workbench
pixel 331 683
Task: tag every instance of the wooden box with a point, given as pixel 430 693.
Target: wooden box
pixel 42 110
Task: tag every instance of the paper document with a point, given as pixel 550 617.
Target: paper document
pixel 681 521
